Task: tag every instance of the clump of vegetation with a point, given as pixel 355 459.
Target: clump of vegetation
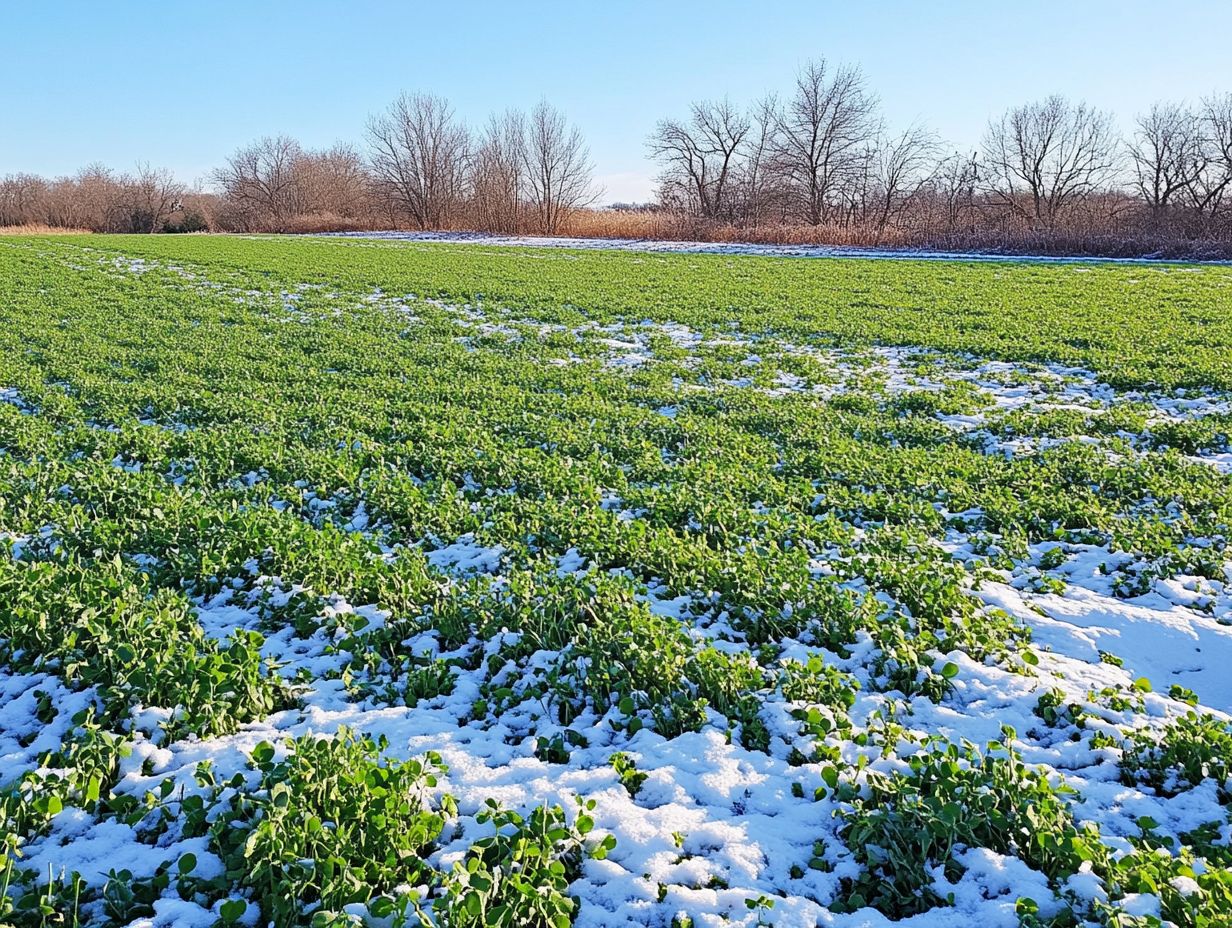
pixel 332 824
pixel 94 623
pixel 1184 753
pixel 902 825
pixel 521 874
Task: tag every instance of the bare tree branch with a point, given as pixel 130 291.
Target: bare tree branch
pixel 558 169
pixel 824 130
pixel 1045 158
pixel 418 154
pixel 700 157
pixel 261 179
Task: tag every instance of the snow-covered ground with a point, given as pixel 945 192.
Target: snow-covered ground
pixel 742 828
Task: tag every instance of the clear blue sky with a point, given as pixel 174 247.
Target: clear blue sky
pixel 181 84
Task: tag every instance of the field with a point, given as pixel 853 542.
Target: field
pixel 348 582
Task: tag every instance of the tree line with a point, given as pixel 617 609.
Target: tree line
pixel 420 167
pixel 817 163
pixel 823 156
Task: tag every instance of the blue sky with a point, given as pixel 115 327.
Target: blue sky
pixel 182 84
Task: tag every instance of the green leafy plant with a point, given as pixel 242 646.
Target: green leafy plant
pixel 332 824
pixel 520 875
pixel 954 797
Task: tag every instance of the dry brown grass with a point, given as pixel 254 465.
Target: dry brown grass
pixel 588 223
pixel 1091 237
pixel 39 228
pixel 678 227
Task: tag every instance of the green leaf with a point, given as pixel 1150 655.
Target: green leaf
pixel 231 910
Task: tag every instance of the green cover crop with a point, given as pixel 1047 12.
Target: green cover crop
pixel 346 582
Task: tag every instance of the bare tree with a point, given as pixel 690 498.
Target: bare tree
pixel 956 180
pixel 91 199
pixel 23 199
pixel 198 211
pixel 700 157
pixel 498 173
pixel 558 169
pixel 261 180
pixel 825 128
pixel 762 195
pixel 1210 185
pixel 149 197
pixel 418 153
pixel 856 201
pixel 1045 158
pixel 333 182
pixel 1047 174
pixel 904 166
pixel 1168 153
pixel 65 208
